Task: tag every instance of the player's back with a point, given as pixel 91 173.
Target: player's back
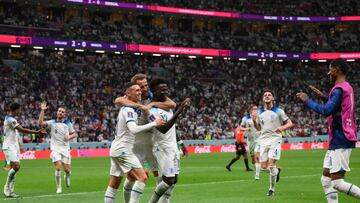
pixel 11 134
pixel 167 140
pixel 124 139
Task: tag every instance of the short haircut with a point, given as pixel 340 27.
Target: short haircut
pixel 14 106
pixel 251 107
pixel 156 82
pixel 139 76
pixel 340 64
pixel 127 86
pixel 269 90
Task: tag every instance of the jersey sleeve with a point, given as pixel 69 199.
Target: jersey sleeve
pixel 282 115
pixel 71 128
pixel 130 115
pixel 13 122
pixel 49 123
pixel 243 122
pixel 154 113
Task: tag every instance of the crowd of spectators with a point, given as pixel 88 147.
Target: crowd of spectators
pixel 221 90
pixel 80 24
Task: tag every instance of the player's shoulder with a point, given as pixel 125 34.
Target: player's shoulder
pixel 277 110
pixel 128 108
pixel 67 122
pixel 9 118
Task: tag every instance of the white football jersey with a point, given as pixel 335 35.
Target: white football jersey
pixel 58 130
pixel 253 134
pixel 11 134
pixel 144 137
pixel 168 140
pixel 270 120
pixel 124 139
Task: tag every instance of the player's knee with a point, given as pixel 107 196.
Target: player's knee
pixel 325 181
pixel 264 166
pixel 169 180
pixel 16 167
pixel 336 184
pixel 273 170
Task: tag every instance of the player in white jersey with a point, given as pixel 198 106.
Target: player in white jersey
pixel 123 160
pixel 165 142
pixel 61 132
pixel 143 145
pixel 252 134
pixel 271 120
pixel 12 146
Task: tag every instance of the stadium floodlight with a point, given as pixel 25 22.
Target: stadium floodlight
pixel 350 60
pixel 209 57
pixel 192 57
pixel 79 50
pixel 242 59
pixel 36 47
pixel 15 46
pixel 322 61
pixel 99 51
pixel 156 54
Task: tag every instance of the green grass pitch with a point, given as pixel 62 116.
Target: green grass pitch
pixel 203 179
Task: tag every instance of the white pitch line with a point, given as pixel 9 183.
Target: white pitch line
pixel 148 188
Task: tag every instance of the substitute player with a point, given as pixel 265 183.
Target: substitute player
pixel 271 120
pixel 61 132
pixel 12 146
pixel 340 109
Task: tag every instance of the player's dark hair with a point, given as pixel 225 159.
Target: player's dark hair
pixel 269 90
pixel 14 106
pixel 155 82
pixel 127 86
pixel 340 64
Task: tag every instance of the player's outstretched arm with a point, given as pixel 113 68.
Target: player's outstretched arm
pixel 163 129
pixel 134 129
pixel 325 109
pixel 28 131
pixel 166 105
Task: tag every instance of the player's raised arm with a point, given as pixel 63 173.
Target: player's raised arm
pixel 44 107
pixel 164 128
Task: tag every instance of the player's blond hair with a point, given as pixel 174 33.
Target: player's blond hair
pixel 139 76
